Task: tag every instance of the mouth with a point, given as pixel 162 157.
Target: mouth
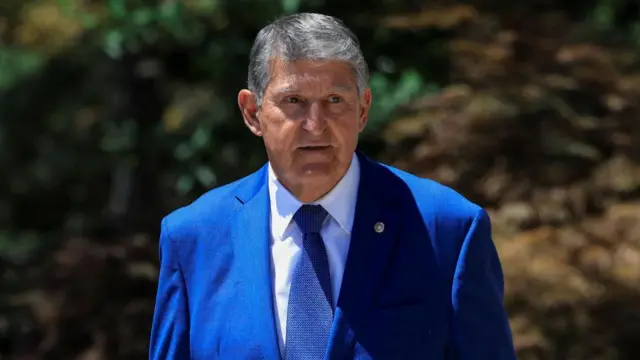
pixel 315 148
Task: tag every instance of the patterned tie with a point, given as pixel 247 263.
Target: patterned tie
pixel 310 311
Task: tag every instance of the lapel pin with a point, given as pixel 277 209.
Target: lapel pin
pixel 379 227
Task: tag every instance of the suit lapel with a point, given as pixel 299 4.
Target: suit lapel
pixel 372 238
pixel 251 232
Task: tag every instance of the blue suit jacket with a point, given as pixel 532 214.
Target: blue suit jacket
pixel 430 286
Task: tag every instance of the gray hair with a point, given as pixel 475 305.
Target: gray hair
pixel 304 36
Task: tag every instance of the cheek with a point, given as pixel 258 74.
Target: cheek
pixel 273 126
pixel 281 136
pixel 347 126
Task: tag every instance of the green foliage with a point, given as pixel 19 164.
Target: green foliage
pixel 290 6
pixel 389 95
pixel 136 115
pixel 19 248
pixel 16 63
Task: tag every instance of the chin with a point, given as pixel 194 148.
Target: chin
pixel 321 170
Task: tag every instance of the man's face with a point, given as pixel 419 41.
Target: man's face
pixel 310 119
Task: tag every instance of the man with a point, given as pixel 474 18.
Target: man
pixel 324 253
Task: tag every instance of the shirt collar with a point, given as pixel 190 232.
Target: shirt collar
pixel 340 202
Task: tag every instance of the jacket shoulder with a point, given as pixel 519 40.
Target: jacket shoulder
pixel 208 210
pixel 447 215
pixel 437 201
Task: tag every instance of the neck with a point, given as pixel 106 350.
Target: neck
pixel 309 194
pixel 309 190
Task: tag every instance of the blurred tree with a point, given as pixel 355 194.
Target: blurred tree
pixel 115 112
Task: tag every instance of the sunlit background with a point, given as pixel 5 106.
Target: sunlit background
pixel 115 112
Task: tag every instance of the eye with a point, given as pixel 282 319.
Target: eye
pixel 292 100
pixel 334 99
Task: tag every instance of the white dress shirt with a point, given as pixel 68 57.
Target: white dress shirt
pixel 286 238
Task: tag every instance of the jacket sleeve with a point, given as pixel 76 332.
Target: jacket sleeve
pixel 480 324
pixel 170 327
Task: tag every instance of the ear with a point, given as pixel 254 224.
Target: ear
pixel 249 109
pixel 365 105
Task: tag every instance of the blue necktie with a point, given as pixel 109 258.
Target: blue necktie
pixel 310 310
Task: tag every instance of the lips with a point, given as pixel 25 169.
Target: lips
pixel 315 147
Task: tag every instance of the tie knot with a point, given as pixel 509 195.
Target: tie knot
pixel 310 218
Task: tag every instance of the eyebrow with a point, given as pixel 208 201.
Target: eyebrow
pixel 294 89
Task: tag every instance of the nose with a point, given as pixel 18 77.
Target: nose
pixel 315 122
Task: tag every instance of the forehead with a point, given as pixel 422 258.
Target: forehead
pixel 308 73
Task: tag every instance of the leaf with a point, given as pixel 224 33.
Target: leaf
pixel 89 21
pixel 183 152
pixel 185 184
pixel 67 6
pixel 203 6
pixel 16 64
pixel 379 83
pixel 18 248
pixel 142 17
pixel 205 175
pixel 114 44
pixel 290 6
pixel 118 9
pixel 604 16
pixel 200 138
pixel 409 85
